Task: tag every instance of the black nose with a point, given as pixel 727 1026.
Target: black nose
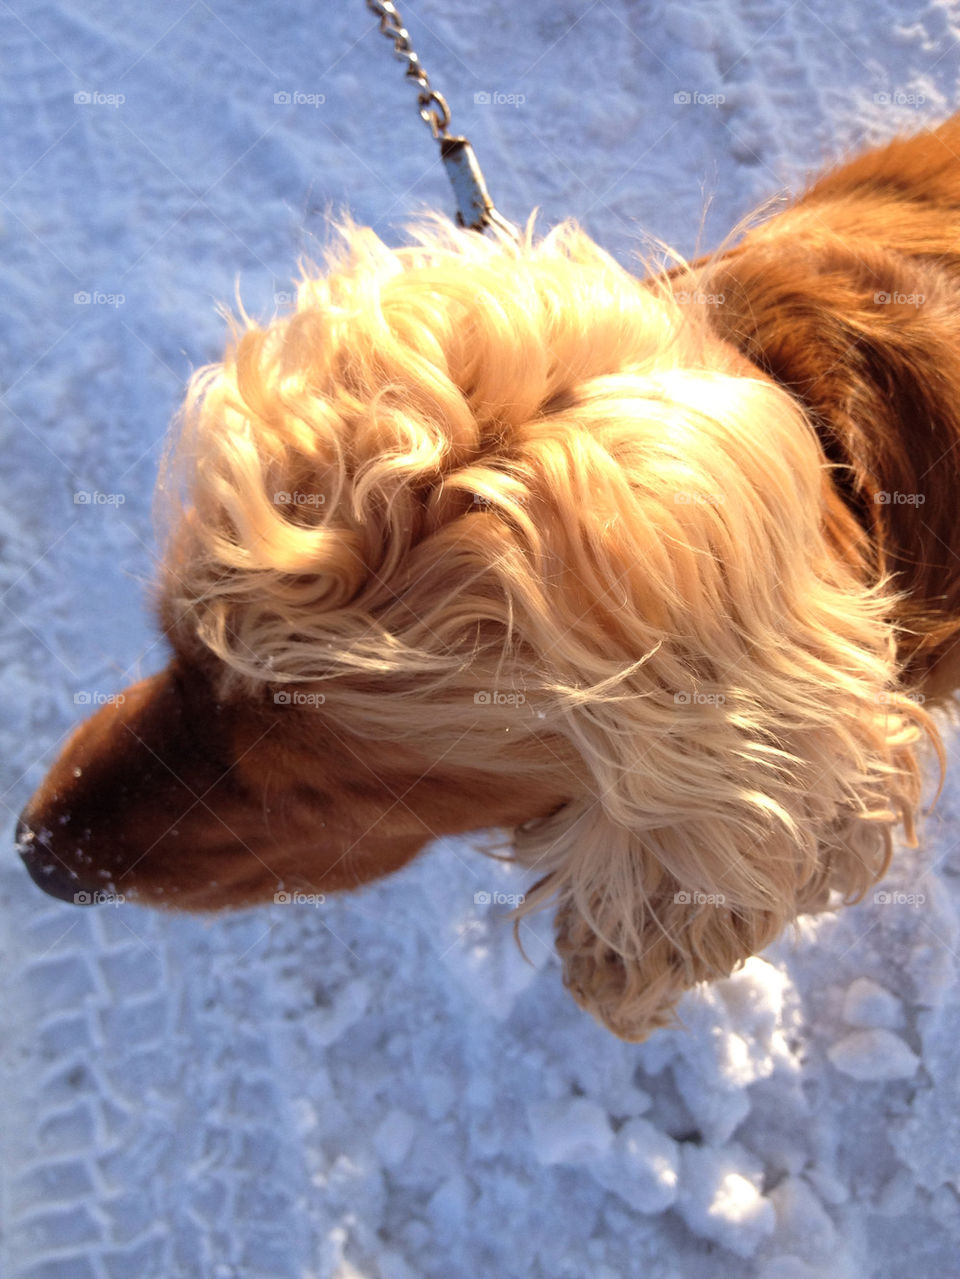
pixel 47 872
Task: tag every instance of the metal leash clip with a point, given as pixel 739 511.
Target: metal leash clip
pixel 475 208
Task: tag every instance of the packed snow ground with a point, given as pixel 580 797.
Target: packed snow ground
pixel 383 1088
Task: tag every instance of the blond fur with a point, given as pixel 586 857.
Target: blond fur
pixel 524 474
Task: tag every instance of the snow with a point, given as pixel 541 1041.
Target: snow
pixel 873 1054
pixel 394 1137
pixel 383 1087
pixel 721 1199
pixel 802 1220
pixel 643 1167
pixel 866 1003
pixel 571 1131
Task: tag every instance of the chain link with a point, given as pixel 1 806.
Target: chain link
pixel 475 209
pixel 433 106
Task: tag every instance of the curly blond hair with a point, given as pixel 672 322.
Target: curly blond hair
pixel 508 501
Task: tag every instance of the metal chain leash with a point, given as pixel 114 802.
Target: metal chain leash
pixel 475 209
pixel 433 105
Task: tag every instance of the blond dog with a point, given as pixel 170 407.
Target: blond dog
pixel 656 573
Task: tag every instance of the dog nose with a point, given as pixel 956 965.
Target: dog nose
pixel 47 872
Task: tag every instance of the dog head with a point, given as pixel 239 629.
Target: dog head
pixel 495 534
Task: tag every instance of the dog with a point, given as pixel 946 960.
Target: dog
pixel 659 574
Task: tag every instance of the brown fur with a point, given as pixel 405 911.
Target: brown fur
pixel 880 381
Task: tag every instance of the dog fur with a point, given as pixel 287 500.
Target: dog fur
pixel 658 574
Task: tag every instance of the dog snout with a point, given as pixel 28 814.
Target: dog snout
pixel 48 871
pixel 146 804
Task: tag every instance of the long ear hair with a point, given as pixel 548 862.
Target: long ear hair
pixel 511 474
pixel 754 753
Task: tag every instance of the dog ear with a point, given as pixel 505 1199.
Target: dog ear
pixel 729 683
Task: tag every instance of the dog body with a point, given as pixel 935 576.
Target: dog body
pixel 654 573
pixel 851 300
